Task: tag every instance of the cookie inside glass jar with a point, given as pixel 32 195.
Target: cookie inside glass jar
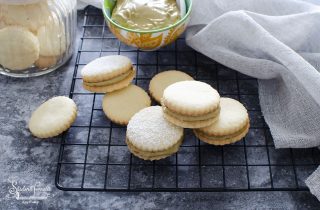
pixel 146 14
pixel 36 36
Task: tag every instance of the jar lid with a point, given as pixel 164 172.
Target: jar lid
pixel 20 2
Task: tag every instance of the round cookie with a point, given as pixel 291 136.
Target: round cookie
pixel 46 61
pixel 19 48
pixel 150 137
pixel 112 87
pixel 119 106
pixel 191 104
pixel 164 79
pixel 191 98
pixel 105 68
pixel 231 126
pixel 31 16
pixel 53 117
pixel 52 37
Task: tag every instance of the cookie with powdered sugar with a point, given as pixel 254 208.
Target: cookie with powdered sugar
pixel 150 137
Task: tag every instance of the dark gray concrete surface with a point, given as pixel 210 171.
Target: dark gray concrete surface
pixel 28 161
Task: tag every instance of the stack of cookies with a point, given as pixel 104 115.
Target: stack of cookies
pixel 108 74
pixel 31 35
pixel 113 75
pixel 185 104
pixel 215 120
pixel 191 104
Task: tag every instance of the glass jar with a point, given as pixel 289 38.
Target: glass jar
pixel 36 36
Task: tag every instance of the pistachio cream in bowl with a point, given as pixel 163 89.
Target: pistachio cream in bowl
pixel 147 24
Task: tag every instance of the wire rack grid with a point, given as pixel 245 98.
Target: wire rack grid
pixel 94 157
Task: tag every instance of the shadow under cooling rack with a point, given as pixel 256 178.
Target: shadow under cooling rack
pixel 94 157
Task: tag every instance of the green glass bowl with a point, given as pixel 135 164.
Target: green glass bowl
pixel 146 40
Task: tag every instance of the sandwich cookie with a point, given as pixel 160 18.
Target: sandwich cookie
pixel 151 137
pixel 162 80
pixel 107 74
pixel 53 117
pixel 191 104
pixel 119 106
pixel 232 125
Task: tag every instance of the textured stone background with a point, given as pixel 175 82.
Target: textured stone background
pixel 29 161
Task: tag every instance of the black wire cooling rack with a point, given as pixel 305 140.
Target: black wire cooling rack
pixel 94 157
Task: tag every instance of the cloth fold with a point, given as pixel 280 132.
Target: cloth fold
pixel 312 181
pixel 276 42
pixel 83 3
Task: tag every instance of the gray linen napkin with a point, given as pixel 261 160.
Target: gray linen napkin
pixel 277 42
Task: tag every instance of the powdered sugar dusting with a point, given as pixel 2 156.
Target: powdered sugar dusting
pixel 148 130
pixel 106 64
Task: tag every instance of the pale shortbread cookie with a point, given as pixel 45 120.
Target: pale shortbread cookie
pixel 151 137
pixel 46 61
pixel 191 104
pixel 231 126
pixel 105 68
pixel 113 87
pixel 52 37
pixel 53 117
pixel 119 106
pixel 164 79
pixel 32 16
pixel 191 98
pixel 19 48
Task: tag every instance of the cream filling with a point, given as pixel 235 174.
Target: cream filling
pixel 154 154
pixel 226 137
pixel 110 81
pixel 204 117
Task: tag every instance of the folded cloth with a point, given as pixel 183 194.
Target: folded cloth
pixel 313 183
pixel 83 3
pixel 278 43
